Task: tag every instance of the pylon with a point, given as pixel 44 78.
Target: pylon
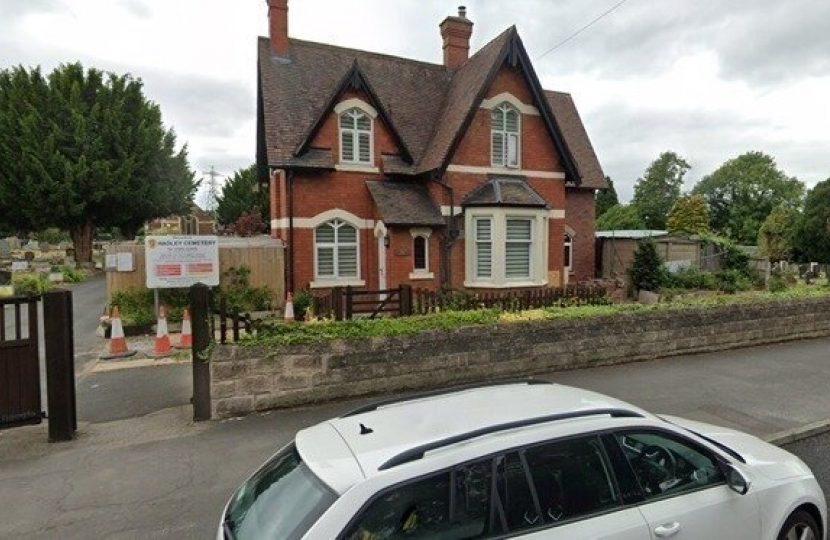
pixel 289 308
pixel 162 346
pixel 186 338
pixel 118 343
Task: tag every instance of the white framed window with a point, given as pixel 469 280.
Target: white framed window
pixel 505 136
pixel 336 251
pixel 356 140
pixel 506 247
pixel 420 253
pixel 569 252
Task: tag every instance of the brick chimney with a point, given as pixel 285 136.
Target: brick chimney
pixel 456 32
pixel 278 25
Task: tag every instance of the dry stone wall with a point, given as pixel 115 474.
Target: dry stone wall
pixel 245 379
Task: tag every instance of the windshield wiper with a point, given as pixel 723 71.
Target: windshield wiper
pixel 226 528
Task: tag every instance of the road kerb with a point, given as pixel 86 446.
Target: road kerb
pixel 800 433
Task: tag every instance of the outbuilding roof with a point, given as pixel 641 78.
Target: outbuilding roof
pixel 404 203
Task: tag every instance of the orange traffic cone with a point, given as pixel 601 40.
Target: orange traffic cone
pixel 162 346
pixel 289 308
pixel 186 338
pixel 118 343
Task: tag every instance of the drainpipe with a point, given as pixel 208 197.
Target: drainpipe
pixel 449 238
pixel 290 179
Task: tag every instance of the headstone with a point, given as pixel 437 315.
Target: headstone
pixel 14 242
pixel 648 297
pixel 56 277
pixel 32 245
pixel 5 249
pixel 20 266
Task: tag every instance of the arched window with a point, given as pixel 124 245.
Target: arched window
pixel 420 253
pixel 355 137
pixel 569 252
pixel 335 247
pixel 505 136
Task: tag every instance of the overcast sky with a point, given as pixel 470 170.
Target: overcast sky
pixel 709 79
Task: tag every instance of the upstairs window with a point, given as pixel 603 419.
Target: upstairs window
pixel 355 137
pixel 505 136
pixel 335 245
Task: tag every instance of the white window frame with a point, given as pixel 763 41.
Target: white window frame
pixel 421 273
pixel 569 246
pixel 356 113
pixel 509 138
pixel 336 279
pixel 532 242
pixel 539 252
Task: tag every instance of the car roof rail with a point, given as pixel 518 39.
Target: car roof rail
pixel 375 405
pixel 414 454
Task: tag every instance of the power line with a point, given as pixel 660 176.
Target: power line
pixel 587 26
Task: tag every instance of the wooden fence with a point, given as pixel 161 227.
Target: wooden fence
pixel 345 303
pixel 265 259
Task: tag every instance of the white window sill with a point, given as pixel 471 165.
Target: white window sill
pixel 356 167
pixel 421 275
pixel 329 283
pixel 503 284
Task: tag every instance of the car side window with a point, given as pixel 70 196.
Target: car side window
pixel 572 479
pixel 451 505
pixel 666 465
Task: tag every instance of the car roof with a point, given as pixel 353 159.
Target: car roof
pixel 346 450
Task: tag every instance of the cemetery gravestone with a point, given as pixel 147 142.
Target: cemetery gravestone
pixel 5 249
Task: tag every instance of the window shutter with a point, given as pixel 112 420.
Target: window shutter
pixel 325 261
pixel 497 120
pixel 347 261
pixel 498 148
pixel 365 147
pixel 517 248
pixel 347 120
pixel 484 248
pixel 363 122
pixel 347 234
pixel 511 121
pixel 347 145
pixel 512 150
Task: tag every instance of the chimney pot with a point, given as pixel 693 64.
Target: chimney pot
pixel 455 33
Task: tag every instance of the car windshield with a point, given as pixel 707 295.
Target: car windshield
pixel 282 500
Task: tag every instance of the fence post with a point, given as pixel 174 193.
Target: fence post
pixel 200 313
pixel 349 306
pixel 337 303
pixel 60 365
pixel 405 303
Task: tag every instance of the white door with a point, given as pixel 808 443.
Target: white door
pixel 382 262
pixel 626 524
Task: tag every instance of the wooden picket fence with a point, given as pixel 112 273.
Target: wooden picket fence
pixel 345 303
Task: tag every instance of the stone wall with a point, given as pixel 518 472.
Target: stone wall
pixel 254 378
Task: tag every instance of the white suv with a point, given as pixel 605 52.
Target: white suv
pixel 525 459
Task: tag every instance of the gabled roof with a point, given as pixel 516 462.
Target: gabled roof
pixel 500 191
pixel 426 106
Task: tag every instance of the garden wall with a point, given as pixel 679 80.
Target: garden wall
pixel 245 379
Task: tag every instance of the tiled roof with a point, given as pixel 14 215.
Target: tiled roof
pixel 576 138
pixel 404 203
pixel 500 191
pixel 427 105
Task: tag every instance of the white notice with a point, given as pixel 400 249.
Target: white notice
pixel 181 261
pixel 125 263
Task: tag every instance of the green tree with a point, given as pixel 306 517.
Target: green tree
pixel 742 192
pixel 689 215
pixel 659 187
pixel 620 217
pixel 812 238
pixel 240 195
pixel 606 198
pixel 81 149
pixel 647 271
pixel 777 232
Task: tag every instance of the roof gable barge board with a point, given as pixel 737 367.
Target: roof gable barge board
pixel 514 53
pixel 354 79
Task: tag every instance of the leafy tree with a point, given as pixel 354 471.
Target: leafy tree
pixel 606 198
pixel 241 195
pixel 656 191
pixel 81 149
pixel 812 239
pixel 647 271
pixel 689 215
pixel 620 217
pixel 742 192
pixel 776 234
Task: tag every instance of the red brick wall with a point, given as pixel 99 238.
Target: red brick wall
pixel 579 215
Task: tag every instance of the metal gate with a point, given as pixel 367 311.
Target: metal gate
pixel 19 363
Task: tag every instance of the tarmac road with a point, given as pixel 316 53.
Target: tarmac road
pixel 815 452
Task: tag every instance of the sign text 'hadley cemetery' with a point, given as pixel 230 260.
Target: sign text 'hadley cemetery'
pixel 182 261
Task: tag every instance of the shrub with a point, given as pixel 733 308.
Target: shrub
pixel 691 278
pixel 238 294
pixel 70 273
pixel 30 284
pixel 302 301
pixel 732 281
pixel 776 282
pixel 137 306
pixel 647 271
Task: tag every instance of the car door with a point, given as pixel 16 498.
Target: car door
pixel 685 491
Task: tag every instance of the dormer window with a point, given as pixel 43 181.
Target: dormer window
pixel 505 138
pixel 355 137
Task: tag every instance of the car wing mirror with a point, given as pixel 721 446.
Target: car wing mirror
pixel 736 480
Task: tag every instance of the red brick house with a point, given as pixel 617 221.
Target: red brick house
pixel 385 170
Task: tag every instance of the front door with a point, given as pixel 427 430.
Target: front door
pixel 382 260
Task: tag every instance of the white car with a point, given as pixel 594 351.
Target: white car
pixel 525 459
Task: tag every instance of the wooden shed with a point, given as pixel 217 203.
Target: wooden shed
pixel 615 250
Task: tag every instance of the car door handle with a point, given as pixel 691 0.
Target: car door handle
pixel 668 529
